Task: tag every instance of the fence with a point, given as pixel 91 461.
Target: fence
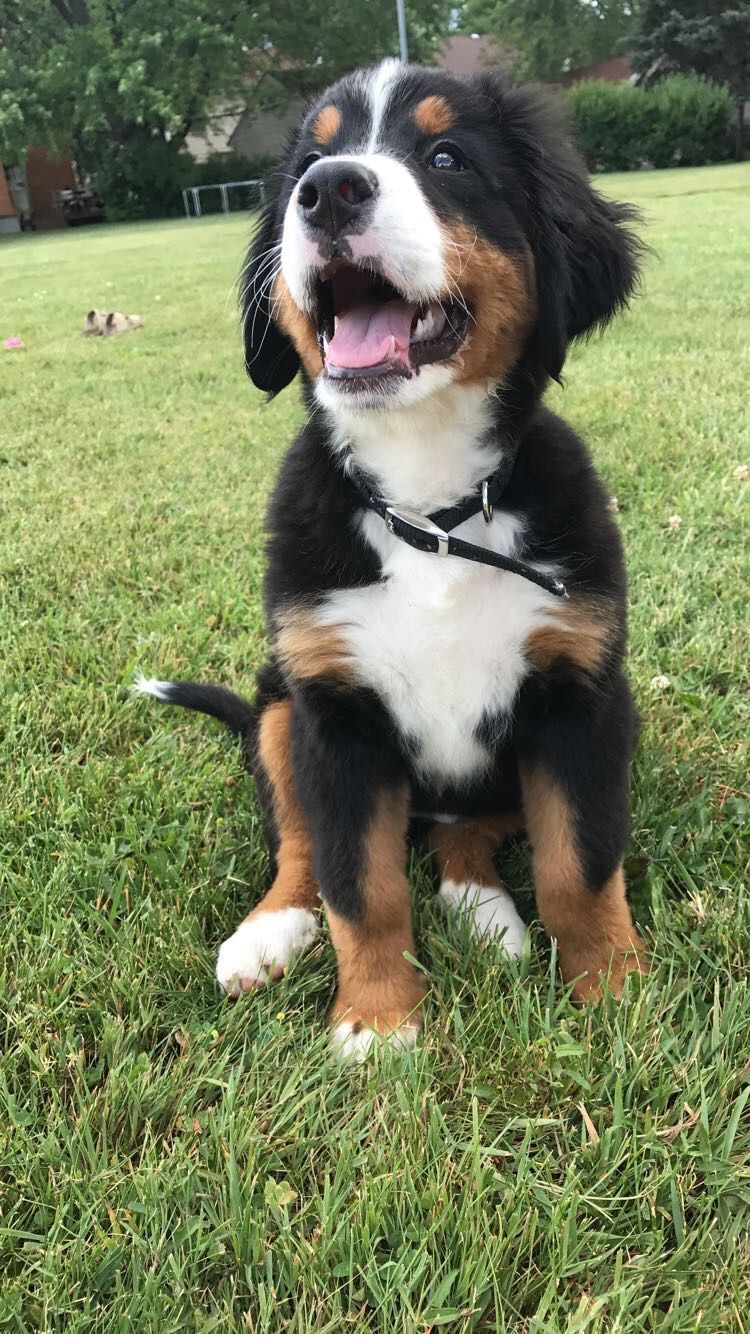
pixel 192 202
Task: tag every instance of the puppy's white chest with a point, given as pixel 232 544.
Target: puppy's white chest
pixel 442 643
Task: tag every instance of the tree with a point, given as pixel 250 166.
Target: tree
pixel 119 84
pixel 548 37
pixel 708 37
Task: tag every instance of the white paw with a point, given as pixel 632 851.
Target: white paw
pixel 351 1040
pixel 488 910
pixel 262 947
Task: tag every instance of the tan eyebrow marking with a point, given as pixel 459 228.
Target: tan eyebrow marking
pixel 326 124
pixel 434 115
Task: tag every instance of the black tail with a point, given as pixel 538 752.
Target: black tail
pixel 230 709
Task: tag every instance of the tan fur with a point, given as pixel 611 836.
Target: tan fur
pixel 580 635
pixel 298 326
pixel 378 988
pixel 434 115
pixel 498 288
pixel 593 926
pixel 295 885
pixel 310 651
pixel 463 852
pixel 326 125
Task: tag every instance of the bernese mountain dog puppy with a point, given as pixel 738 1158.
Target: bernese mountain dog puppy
pixel 445 590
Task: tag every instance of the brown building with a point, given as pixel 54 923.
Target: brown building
pixel 614 70
pixel 30 195
pixel 8 215
pixel 470 55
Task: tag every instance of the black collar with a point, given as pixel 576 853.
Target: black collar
pixel 432 532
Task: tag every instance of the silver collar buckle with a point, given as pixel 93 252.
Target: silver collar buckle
pixel 419 523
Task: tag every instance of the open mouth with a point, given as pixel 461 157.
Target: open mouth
pixel 368 330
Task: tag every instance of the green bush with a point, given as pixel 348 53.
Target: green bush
pixel 681 121
pixel 689 122
pixel 609 124
pixel 143 179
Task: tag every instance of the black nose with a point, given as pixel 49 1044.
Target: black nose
pixel 333 194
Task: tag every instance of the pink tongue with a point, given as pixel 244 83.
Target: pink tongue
pixel 369 335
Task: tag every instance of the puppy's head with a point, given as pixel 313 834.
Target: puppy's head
pixel 424 231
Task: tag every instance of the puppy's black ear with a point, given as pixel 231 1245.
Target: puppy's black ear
pixel 270 357
pixel 585 253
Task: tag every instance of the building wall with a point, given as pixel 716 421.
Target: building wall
pixel 265 135
pixel 216 134
pixel 615 70
pixel 44 177
pixel 8 216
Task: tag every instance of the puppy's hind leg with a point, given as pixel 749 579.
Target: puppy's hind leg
pixel 470 887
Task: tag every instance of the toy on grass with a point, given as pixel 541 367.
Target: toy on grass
pixel 102 323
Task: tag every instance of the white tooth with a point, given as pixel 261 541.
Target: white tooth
pixel 428 325
pixel 335 323
pixel 418 329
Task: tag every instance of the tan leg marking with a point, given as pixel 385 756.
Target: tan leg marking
pixel 282 924
pixel 379 990
pixel 593 926
pixel 295 885
pixel 464 851
pixel 469 883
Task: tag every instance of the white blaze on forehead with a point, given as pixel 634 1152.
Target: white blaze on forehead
pixel 379 88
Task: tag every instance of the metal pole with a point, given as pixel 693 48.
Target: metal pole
pixel 185 204
pixel 403 45
pixel 224 202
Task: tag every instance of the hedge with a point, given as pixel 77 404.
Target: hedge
pixel 682 121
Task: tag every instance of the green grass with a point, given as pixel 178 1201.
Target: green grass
pixel 170 1161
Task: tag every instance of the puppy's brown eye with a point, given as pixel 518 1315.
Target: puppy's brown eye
pixel 307 162
pixel 446 159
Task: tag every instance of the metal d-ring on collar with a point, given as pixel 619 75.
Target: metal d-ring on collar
pixel 487 507
pixel 431 533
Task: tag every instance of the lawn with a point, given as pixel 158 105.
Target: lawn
pixel 172 1161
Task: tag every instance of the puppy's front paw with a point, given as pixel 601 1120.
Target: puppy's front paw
pixel 353 1037
pixel 488 910
pixel 262 948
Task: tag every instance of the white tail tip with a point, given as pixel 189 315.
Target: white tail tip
pixel 147 685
